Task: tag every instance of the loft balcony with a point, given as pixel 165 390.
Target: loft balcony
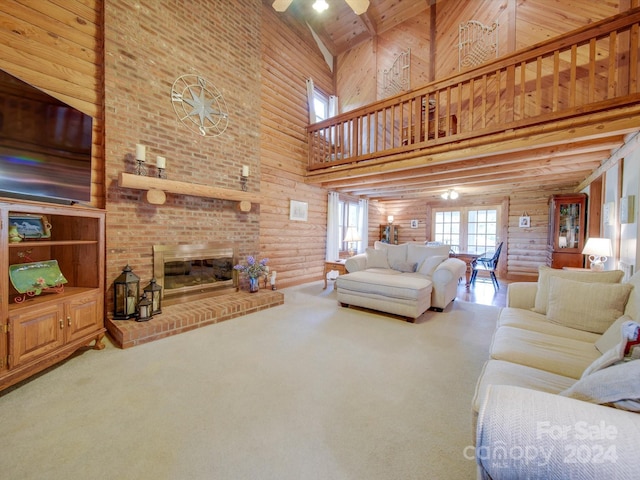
pixel 579 91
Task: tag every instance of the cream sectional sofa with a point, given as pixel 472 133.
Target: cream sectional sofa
pixel 559 396
pixel 404 280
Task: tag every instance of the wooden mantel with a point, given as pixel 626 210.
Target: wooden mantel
pixel 157 187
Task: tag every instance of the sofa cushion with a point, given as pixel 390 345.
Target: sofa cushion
pixel 529 320
pixel 563 356
pixel 616 385
pixel 498 372
pixel 395 253
pixel 545 273
pixel 611 337
pixel 592 307
pixel 395 286
pixel 430 264
pixel 376 258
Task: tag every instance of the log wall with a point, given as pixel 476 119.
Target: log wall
pixel 296 249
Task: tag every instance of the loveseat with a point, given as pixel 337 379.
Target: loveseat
pixel 404 280
pixel 559 396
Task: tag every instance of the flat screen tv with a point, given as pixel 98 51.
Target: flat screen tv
pixel 45 145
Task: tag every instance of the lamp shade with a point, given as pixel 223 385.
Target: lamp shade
pixel 352 235
pixel 598 247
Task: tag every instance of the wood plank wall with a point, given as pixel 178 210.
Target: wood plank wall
pixel 296 249
pixel 57 47
pixel 522 24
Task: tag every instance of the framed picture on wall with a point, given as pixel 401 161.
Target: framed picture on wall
pixel 525 221
pixel 298 210
pixel 414 223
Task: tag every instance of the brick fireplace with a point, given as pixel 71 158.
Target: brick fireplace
pixel 200 288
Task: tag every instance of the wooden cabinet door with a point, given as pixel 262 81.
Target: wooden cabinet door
pixel 35 332
pixel 83 316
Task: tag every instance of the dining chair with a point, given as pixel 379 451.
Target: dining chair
pixel 487 264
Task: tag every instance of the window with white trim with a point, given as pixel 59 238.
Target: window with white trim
pixel 467 229
pixel 320 105
pixel 349 214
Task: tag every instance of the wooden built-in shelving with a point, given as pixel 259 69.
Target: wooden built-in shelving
pixel 157 187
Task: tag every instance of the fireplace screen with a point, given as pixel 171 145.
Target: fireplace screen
pixel 185 270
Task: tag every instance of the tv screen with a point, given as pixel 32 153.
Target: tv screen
pixel 45 145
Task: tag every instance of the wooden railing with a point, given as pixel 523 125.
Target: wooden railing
pixel 588 70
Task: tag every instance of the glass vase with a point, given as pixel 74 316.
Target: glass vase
pixel 253 285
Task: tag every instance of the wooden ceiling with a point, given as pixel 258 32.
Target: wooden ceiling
pixel 340 29
pixel 564 162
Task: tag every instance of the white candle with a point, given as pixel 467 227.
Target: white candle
pixel 131 305
pixel 245 170
pixel 141 152
pixel 273 277
pixel 161 162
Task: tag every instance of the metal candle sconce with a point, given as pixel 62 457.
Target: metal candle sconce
pixel 244 177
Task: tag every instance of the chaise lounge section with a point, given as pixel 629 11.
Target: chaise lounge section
pixel 404 280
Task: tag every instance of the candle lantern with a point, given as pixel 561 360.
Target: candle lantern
pixel 144 309
pixel 126 290
pixel 154 293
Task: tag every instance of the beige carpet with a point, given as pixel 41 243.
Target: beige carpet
pixel 306 390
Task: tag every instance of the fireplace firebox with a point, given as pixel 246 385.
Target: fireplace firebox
pixel 188 272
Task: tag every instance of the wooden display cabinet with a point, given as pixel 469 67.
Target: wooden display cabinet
pixel 567 215
pixel 41 330
pixel 389 234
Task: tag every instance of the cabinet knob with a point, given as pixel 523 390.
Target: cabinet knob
pixel 69 320
pixel 61 323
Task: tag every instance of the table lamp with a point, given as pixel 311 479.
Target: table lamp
pixel 352 236
pixel 598 250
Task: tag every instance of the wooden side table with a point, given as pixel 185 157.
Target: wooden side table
pixel 331 266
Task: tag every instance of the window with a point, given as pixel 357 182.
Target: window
pixel 467 229
pixel 320 105
pixel 349 214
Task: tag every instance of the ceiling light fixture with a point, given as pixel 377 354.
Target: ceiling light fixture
pixel 450 194
pixel 320 6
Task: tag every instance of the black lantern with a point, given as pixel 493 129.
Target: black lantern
pixel 154 293
pixel 144 309
pixel 126 291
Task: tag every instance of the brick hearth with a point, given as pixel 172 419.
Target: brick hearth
pixel 188 316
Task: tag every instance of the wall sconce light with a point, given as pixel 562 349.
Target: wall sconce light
pixel 141 157
pixel 390 219
pixel 126 289
pixel 598 250
pixel 244 177
pixel 450 194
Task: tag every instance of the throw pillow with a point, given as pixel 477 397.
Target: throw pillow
pixel 430 264
pixel 395 253
pixel 611 337
pixel 617 386
pixel 376 258
pixel 629 331
pixel 419 253
pixel 591 307
pixel 404 267
pixel 546 273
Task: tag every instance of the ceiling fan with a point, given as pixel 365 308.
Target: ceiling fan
pixel 358 6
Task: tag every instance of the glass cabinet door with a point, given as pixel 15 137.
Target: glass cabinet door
pixel 568 226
